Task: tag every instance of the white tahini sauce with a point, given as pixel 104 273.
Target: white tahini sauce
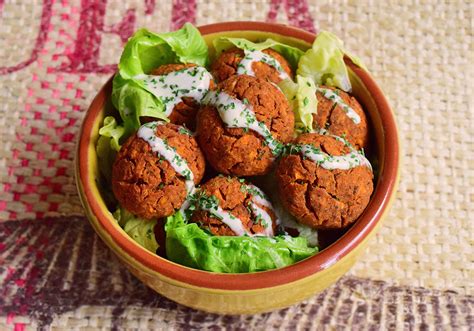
pixel 234 223
pixel 171 88
pixel 259 197
pixel 237 114
pixel 264 219
pixel 331 95
pixel 331 162
pixel 147 132
pixel 260 215
pixel 250 57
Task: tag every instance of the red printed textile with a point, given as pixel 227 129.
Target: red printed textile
pixel 70 49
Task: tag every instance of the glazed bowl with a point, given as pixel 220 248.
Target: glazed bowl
pixel 252 292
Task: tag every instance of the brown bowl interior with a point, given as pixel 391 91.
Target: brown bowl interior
pixel 386 151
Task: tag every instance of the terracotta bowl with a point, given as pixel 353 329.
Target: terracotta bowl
pixel 253 292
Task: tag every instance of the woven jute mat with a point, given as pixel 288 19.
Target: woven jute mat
pixel 416 273
pixel 78 283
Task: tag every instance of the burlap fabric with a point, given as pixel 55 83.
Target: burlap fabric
pixel 416 274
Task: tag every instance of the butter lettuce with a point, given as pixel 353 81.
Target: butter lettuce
pixel 189 245
pixel 110 129
pixel 143 52
pixel 291 54
pixel 146 50
pixel 324 62
pixel 108 145
pixel 133 101
pixel 140 230
pixel 302 97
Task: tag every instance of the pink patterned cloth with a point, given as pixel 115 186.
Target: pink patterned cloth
pixel 65 64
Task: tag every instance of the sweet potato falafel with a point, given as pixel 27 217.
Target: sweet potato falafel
pixel 184 113
pixel 325 184
pixel 344 118
pixel 228 206
pixel 151 183
pixel 227 64
pixel 238 149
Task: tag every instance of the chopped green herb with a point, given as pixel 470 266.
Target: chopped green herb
pixel 184 131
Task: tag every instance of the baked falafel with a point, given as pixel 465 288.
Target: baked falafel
pixel 241 127
pixel 342 115
pixel 325 184
pixel 184 112
pixel 227 206
pixel 271 66
pixel 156 169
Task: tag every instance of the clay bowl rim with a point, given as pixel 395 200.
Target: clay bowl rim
pixel 385 190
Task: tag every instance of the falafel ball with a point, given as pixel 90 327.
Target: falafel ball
pixel 145 183
pixel 227 63
pixel 332 117
pixel 184 113
pixel 240 151
pixel 323 198
pixel 244 202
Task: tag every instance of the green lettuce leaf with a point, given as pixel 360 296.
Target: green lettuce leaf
pixel 140 230
pixel 134 101
pixel 324 62
pixel 143 52
pixel 302 97
pixel 189 245
pixel 146 50
pixel 108 145
pixel 113 131
pixel 291 54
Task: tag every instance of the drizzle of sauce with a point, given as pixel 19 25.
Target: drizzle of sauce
pixel 237 114
pixel 171 88
pixel 234 223
pixel 331 95
pixel 147 132
pixel 264 218
pixel 250 57
pixel 260 215
pixel 258 197
pixel 331 162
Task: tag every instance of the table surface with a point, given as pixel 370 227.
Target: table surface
pixel 416 273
